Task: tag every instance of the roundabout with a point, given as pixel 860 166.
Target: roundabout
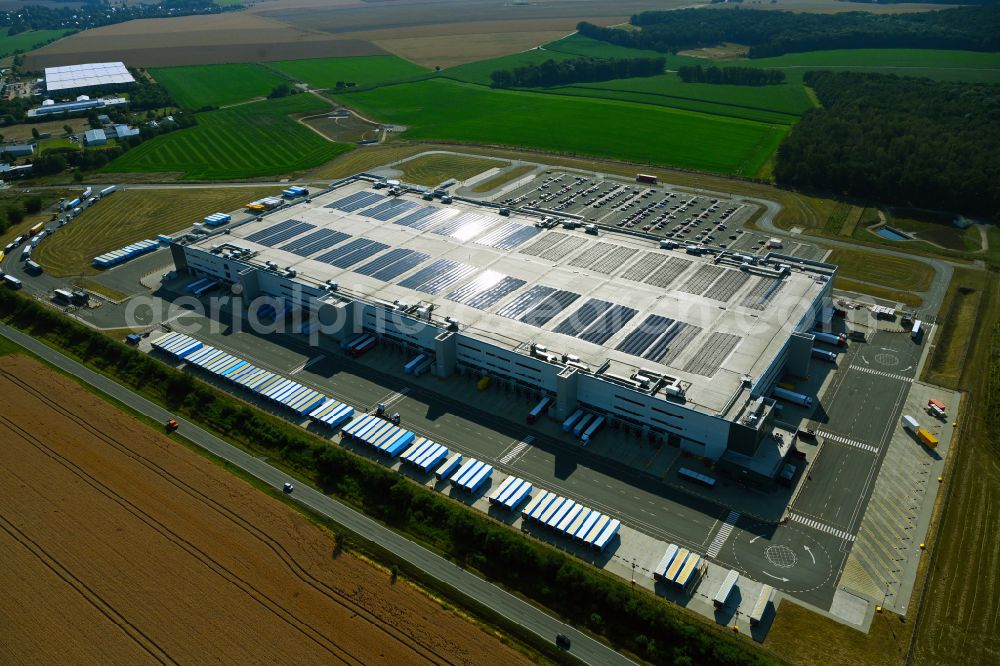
pixel 789 558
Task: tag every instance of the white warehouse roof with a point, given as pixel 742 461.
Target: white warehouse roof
pixel 614 298
pixel 73 77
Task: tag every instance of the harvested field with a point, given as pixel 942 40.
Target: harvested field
pixel 132 215
pixel 458 43
pixel 431 170
pixel 196 40
pixel 122 546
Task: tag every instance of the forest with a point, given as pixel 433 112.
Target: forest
pixel 914 142
pixel 772 33
pixel 733 76
pixel 577 70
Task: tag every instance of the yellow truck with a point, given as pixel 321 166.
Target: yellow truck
pixel 928 439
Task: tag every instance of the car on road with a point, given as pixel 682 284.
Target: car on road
pixel 562 640
pixel 288 487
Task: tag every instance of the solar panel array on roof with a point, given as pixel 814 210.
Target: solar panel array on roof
pixel 702 279
pixel 727 285
pixel 538 306
pixel 356 201
pixel 508 236
pixel 466 226
pixel 392 264
pixel 426 217
pixel 603 257
pixel 485 290
pixel 279 231
pixel 87 75
pixel 438 276
pixel 347 255
pixel 314 242
pixel 713 353
pixel 389 209
pixel 762 292
pixel 652 338
pixel 596 321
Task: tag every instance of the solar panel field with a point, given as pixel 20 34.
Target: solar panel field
pixel 201 85
pixel 246 141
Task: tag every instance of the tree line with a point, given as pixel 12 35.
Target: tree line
pixel 575 70
pixel 630 619
pixel 81 16
pixel 772 33
pixel 900 140
pixel 736 76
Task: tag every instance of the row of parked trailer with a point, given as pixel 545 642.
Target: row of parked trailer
pixel 217 219
pixel 359 344
pixel 281 390
pixel 511 493
pixel 122 255
pixel 294 192
pixel 381 435
pixel 471 475
pixel 418 365
pixel 680 567
pixel 583 425
pixel 571 519
pixel 424 454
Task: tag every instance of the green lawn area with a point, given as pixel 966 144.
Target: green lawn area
pixel 893 272
pixel 216 85
pixel 361 70
pixel 431 170
pixel 26 41
pixel 449 111
pixel 245 141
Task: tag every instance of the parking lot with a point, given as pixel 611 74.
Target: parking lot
pixel 653 209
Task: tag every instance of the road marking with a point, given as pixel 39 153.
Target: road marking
pixel 305 365
pixel 882 373
pixel 816 525
pixel 849 442
pixel 518 449
pixel 723 534
pixel 395 397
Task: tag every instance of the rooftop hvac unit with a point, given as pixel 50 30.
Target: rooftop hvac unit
pixel 572 358
pixel 675 390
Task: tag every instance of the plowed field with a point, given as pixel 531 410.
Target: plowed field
pixel 121 546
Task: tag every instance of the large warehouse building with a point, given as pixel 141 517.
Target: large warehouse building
pixel 80 78
pixel 682 344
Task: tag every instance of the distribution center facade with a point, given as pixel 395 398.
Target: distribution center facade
pixel 673 344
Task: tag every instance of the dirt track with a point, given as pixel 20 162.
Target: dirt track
pixel 119 545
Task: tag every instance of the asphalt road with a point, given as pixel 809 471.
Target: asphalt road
pixel 514 609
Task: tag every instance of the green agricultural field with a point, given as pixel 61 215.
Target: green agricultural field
pixel 245 141
pixel 216 85
pixel 132 215
pixel 445 110
pixel 782 104
pixel 26 41
pixel 936 64
pixel 361 70
pixel 971 66
pixel 890 271
pixel 479 72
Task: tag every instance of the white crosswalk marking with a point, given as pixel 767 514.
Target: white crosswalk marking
pixel 518 449
pixel 816 525
pixel 723 534
pixel 395 397
pixel 881 373
pixel 849 442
